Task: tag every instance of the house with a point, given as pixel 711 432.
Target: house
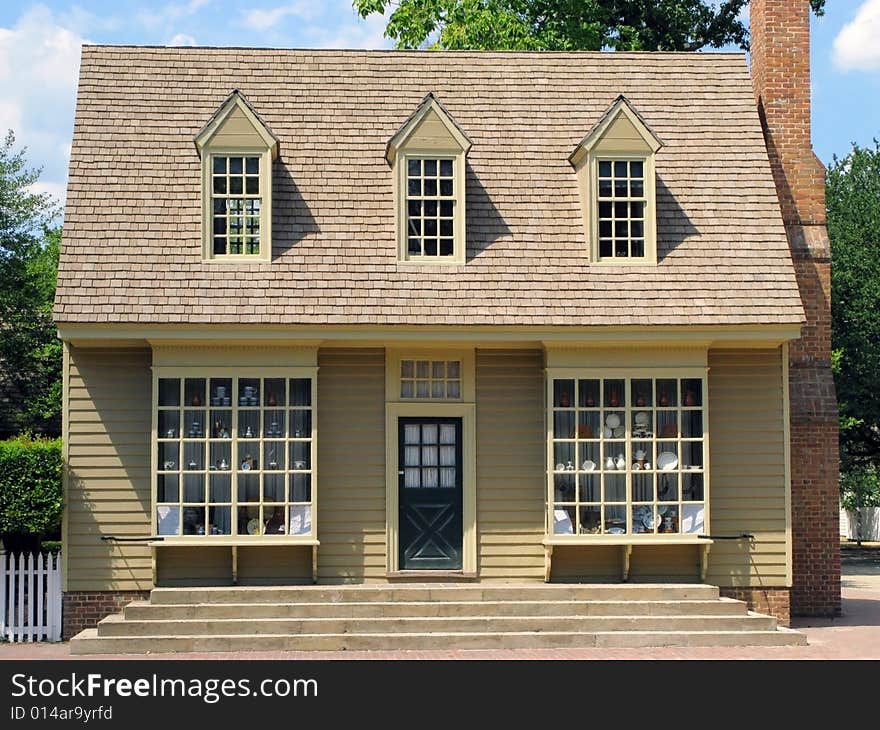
pixel 360 317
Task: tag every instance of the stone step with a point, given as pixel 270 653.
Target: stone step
pixel 367 609
pixel 118 626
pixel 88 642
pixel 429 592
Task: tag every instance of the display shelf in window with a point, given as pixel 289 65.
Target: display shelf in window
pixel 234 456
pixel 628 456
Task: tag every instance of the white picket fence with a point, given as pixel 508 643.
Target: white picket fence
pixel 30 597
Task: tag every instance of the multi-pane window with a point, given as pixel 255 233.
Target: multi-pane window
pixel 431 453
pixel 628 456
pixel 432 379
pixel 235 456
pixel 235 204
pixel 621 202
pixel 430 207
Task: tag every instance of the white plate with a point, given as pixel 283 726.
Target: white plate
pixel 606 432
pixel 642 418
pixel 612 420
pixel 588 465
pixel 619 432
pixel 667 461
pixel 616 531
pixel 253 527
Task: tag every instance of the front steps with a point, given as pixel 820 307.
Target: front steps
pixel 430 617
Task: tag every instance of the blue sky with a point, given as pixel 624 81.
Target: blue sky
pixel 40 44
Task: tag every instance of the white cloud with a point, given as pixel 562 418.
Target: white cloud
pixel 39 67
pixel 856 46
pixel 369 33
pixel 171 13
pixel 56 189
pixel 266 19
pixel 182 39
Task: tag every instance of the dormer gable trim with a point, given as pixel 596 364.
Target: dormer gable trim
pixel 620 107
pixel 426 106
pixel 236 100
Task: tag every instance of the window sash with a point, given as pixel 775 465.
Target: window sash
pixel 430 206
pixel 233 448
pixel 236 216
pixel 625 212
pixel 586 500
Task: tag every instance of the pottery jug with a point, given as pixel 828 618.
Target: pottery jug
pixel 609 463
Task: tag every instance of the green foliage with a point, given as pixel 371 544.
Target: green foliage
pixel 30 485
pixel 30 353
pixel 564 25
pixel 51 546
pixel 860 487
pixel 853 188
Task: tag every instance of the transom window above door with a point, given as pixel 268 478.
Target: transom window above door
pixel 430 379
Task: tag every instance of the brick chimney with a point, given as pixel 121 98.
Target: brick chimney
pixel 780 52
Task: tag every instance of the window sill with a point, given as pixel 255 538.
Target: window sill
pixel 659 539
pixel 232 540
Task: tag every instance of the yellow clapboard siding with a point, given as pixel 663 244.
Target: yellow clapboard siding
pixel 746 411
pixel 108 485
pixel 351 428
pixel 510 463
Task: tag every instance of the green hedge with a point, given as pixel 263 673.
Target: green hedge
pixel 30 486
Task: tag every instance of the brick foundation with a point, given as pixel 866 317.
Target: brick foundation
pixel 771 601
pixel 83 609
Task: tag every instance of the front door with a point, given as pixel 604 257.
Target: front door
pixel 430 477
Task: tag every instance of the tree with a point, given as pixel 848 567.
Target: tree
pixel 853 188
pixel 564 25
pixel 30 353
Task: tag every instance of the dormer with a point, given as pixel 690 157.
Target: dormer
pixel 237 149
pixel 427 155
pixel 615 168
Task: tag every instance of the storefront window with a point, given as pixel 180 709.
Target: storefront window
pixel 235 456
pixel 628 456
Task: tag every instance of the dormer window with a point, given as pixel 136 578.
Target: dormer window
pixel 620 208
pixel 236 204
pixel 237 149
pixel 428 155
pixel 430 207
pixel 615 167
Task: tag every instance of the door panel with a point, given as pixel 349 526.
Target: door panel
pixel 430 488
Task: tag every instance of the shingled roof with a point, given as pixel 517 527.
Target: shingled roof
pixel 131 249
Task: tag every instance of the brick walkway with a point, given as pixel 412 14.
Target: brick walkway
pixel 855 635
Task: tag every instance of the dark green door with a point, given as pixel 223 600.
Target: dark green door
pixel 430 478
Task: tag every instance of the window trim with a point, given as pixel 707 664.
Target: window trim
pixel 394 356
pixel 591 206
pixel 265 155
pixel 628 374
pixel 207 372
pixel 459 245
